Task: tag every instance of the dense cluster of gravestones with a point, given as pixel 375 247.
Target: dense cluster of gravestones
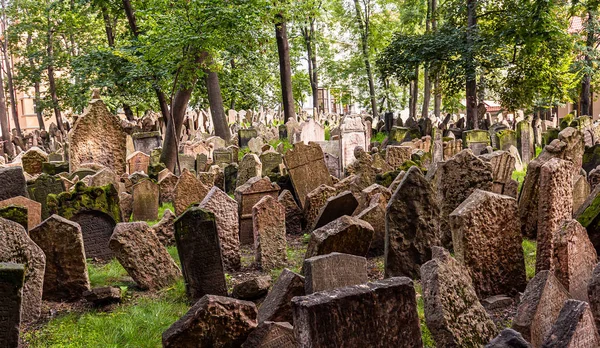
pixel 438 204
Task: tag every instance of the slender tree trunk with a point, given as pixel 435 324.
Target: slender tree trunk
pixel 217 111
pixel 36 87
pixel 415 93
pixel 169 155
pixel 309 34
pixel 51 81
pixel 8 147
pixel 130 17
pixel 285 69
pixel 426 82
pixel 586 79
pixel 471 83
pixel 363 26
pixel 233 95
pixel 9 78
pixel 437 103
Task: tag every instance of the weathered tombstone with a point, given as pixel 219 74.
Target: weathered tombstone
pixel 17 247
pixel 33 159
pixel 375 215
pixel 97 227
pixel 574 327
pixel 335 207
pixel 223 156
pixel 347 235
pixel 503 165
pixel 146 141
pixel 307 169
pixel 581 191
pixel 573 258
pixel 378 314
pixel 214 321
pixel 271 334
pixel 555 205
pixel 226 216
pixel 252 289
pixel 270 162
pixel 200 253
pixel 353 134
pixel 315 200
pixel 268 219
pixel 145 201
pixel 166 188
pixel 525 141
pixel 142 255
pixel 250 167
pixel 188 190
pixel 594 295
pixel 245 135
pixel 412 226
pixel 539 307
pixel 97 137
pixel 396 155
pixel 247 196
pixel 277 305
pixel 138 162
pixel 332 271
pixel 487 240
pixel 333 164
pixel 453 312
pixel 476 140
pixel 311 131
pixel 293 213
pixel 66 275
pixel 509 338
pixel 12 183
pixel 11 285
pixel 40 189
pixel 34 209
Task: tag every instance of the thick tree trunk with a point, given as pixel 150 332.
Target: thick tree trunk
pixel 285 69
pixel 363 26
pixel 586 80
pixel 217 111
pixel 130 17
pixel 8 147
pixel 8 65
pixel 471 83
pixel 169 155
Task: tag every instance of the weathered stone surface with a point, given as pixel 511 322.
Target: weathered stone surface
pixel 268 217
pixel 594 295
pixel 252 289
pixel 378 314
pixel 412 226
pixel 487 240
pixel 40 189
pixel 17 247
pixel 277 306
pixel 33 159
pixel 314 202
pixel 126 205
pixel 396 155
pixel 503 165
pixel 509 338
pixel 539 308
pixel 138 162
pixel 247 196
pixel 555 205
pixel 97 137
pixel 347 235
pixel 200 253
pixel 573 258
pixel 188 191
pixel 142 255
pixel 249 167
pixel 166 187
pixel 271 334
pixel 335 207
pixel 66 275
pixel 214 321
pixel 307 169
pixel 96 227
pixel 574 327
pixel 293 213
pixel 34 209
pixel 165 228
pixel 454 181
pixel 103 296
pixel 226 214
pixel 11 284
pixel 581 191
pixel 453 312
pixel 332 271
pixel 374 214
pixel 145 201
pixel 12 183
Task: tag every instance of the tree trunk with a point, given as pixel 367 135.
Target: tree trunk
pixel 285 69
pixel 169 155
pixel 8 65
pixel 8 147
pixel 309 34
pixel 415 93
pixel 38 110
pixel 130 17
pixel 217 111
pixel 437 103
pixel 426 81
pixel 471 83
pixel 586 79
pixel 363 26
pixel 51 81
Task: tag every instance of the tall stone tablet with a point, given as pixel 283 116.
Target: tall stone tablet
pixel 200 253
pixel 12 183
pixel 332 271
pixel 307 168
pixel 145 200
pixel 378 314
pixel 268 217
pixel 343 204
pixel 247 196
pixel 43 186
pixel 188 191
pixel 11 284
pixel 293 213
pixel 97 227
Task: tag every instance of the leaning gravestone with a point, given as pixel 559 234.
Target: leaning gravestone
pixel 16 246
pixel 353 134
pixel 487 240
pixel 293 213
pixel 200 253
pixel 268 219
pixel 574 327
pixel 332 271
pixel 314 202
pixel 12 183
pixel 140 252
pixel 188 190
pixel 539 307
pixel 247 196
pixel 374 214
pixel 34 209
pixel 453 312
pixel 66 275
pixel 145 200
pixel 509 338
pixel 307 169
pixel 97 137
pixel 11 284
pixel 226 215
pixel 271 334
pixel 335 207
pixel 347 235
pixel 412 226
pixel 277 304
pixel 378 314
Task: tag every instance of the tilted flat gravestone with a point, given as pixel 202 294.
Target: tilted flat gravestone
pixel 335 270
pixel 314 202
pixel 188 190
pixel 307 169
pixel 34 209
pixel 12 183
pixel 97 227
pixel 271 334
pixel 200 253
pixel 17 247
pixel 277 305
pixel 539 307
pixel 11 284
pixel 146 141
pixel 412 226
pixel 343 204
pixel 574 327
pixel 293 213
pixel 145 200
pixel 226 214
pixel 487 240
pixel 214 321
pixel 509 338
pixel 66 275
pixel 453 312
pixel 347 235
pixel 374 214
pixel 268 218
pixel 247 196
pixel 378 314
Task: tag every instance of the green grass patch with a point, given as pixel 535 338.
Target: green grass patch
pixel 327 133
pixel 108 274
pixel 529 251
pixel 295 258
pixel 286 144
pixel 428 341
pixel 538 150
pixel 379 137
pixel 161 212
